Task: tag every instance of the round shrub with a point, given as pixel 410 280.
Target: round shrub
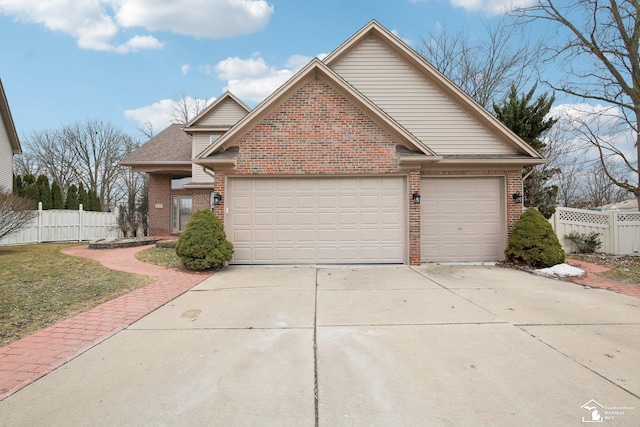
pixel 203 245
pixel 533 241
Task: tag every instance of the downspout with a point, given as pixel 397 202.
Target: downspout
pixel 523 179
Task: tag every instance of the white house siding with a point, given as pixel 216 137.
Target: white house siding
pixel 226 114
pixel 414 101
pixel 200 142
pixel 6 159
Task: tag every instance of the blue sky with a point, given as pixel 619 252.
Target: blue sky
pixel 127 61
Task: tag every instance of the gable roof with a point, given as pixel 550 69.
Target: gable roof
pixel 318 68
pixel 419 63
pixel 169 150
pixel 225 97
pixel 7 120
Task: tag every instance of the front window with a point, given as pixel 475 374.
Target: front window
pixel 181 209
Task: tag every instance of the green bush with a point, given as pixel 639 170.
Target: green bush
pixel 533 241
pixel 203 245
pixel 585 243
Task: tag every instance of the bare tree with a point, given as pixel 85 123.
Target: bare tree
pixel 97 149
pixel 26 164
pixel 48 153
pixel 186 108
pixel 485 68
pixel 15 213
pixel 146 129
pixel 595 49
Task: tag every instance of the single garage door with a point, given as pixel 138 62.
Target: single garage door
pixel 317 220
pixel 462 219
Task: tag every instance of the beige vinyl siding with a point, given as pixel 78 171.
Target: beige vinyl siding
pixel 6 159
pixel 414 101
pixel 226 114
pixel 200 142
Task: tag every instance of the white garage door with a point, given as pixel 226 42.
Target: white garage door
pixel 462 219
pixel 316 220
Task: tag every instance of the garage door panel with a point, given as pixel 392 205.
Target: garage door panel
pixel 263 218
pixel 462 219
pixel 242 236
pixel 318 220
pixel 262 235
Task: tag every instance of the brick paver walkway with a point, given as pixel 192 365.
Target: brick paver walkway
pixel 24 361
pixel 595 281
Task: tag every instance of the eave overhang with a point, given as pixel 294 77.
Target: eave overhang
pixel 167 167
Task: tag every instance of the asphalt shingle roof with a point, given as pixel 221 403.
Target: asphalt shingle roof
pixel 172 144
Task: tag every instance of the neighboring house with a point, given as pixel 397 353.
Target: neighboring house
pixel 9 143
pixel 630 205
pixel 368 156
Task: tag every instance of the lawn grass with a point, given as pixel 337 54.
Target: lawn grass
pixel 39 286
pixel 624 268
pixel 165 257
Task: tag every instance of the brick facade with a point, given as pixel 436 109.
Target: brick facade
pixel 318 131
pixel 159 205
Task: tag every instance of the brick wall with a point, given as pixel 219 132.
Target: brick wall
pixel 159 195
pixel 316 131
pixel 414 218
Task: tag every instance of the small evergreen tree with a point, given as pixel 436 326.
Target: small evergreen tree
pixel 30 189
pixel 533 241
pixel 72 198
pixel 44 191
pixel 93 202
pixel 17 184
pixel 83 199
pixel 203 245
pixel 527 118
pixel 56 196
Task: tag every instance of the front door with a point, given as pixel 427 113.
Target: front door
pixel 182 208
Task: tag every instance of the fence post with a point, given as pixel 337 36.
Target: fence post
pixel 613 229
pixel 80 222
pixel 39 222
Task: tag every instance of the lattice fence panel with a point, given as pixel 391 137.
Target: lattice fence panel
pixel 584 217
pixel 628 217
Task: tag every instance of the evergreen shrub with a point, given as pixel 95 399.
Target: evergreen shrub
pixel 533 241
pixel 203 245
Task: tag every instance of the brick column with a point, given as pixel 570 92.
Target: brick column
pixel 159 205
pixel 414 218
pixel 514 209
pixel 219 187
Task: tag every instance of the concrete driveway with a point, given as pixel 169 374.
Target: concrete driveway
pixel 355 346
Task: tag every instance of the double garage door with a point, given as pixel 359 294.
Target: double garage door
pixel 317 220
pixel 362 220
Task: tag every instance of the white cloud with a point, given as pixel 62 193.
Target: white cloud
pixel 185 69
pixel 581 123
pixel 250 79
pixel 95 24
pixel 160 114
pixel 157 114
pixel 213 18
pixel 253 79
pixel 492 7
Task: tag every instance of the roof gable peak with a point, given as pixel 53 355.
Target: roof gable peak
pixel 226 96
pixel 317 67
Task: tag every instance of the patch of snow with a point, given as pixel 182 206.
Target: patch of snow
pixel 560 270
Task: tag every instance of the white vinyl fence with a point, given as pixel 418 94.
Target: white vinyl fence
pixel 66 225
pixel 619 230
